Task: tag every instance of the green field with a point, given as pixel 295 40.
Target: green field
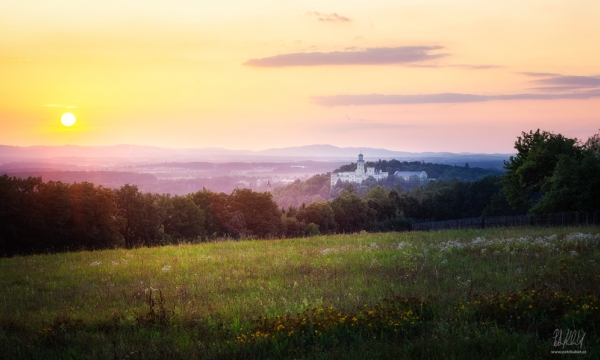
pixel 495 293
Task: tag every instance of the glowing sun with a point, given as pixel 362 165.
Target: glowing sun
pixel 67 119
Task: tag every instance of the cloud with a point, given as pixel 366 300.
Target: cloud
pixel 61 106
pixel 477 67
pixel 551 87
pixel 550 82
pixel 333 17
pixel 578 81
pixel 369 56
pixel 556 88
pixel 537 74
pixel 443 98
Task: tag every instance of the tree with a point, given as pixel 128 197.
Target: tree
pixel 593 144
pixel 351 212
pixel 182 218
pixel 573 186
pixel 261 213
pixel 93 214
pixel 214 208
pixel 320 213
pixel 537 156
pixel 50 215
pixel 292 227
pixel 378 199
pixel 147 229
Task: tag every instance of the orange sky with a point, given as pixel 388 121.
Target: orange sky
pixel 404 75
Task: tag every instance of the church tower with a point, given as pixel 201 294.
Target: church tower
pixel 360 165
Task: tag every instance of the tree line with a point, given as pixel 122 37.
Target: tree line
pixel 38 216
pixel 549 173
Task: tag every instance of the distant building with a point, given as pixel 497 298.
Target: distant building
pixel 359 174
pixel 407 175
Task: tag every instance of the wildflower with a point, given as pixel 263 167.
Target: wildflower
pixel 96 263
pixel 166 268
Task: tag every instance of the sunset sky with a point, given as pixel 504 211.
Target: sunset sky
pixel 422 75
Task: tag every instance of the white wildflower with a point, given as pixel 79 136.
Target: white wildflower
pixel 327 251
pixel 96 263
pixel 478 240
pixel 403 245
pixel 166 268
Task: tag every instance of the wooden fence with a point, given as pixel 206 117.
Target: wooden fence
pixel 559 219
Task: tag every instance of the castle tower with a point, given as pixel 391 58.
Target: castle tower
pixel 360 165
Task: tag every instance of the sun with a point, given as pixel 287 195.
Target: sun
pixel 67 119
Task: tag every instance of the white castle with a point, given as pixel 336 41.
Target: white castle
pixel 359 174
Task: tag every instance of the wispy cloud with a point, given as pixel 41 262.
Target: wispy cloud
pixel 333 17
pixel 550 82
pixel 61 106
pixel 550 86
pixel 369 56
pixel 477 67
pixel 578 81
pixel 537 74
pixel 556 88
pixel 443 98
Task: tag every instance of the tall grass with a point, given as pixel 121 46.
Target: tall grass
pixel 213 295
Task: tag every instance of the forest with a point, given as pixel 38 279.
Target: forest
pixel 549 173
pixel 434 171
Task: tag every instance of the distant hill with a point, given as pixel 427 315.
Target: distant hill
pixel 110 155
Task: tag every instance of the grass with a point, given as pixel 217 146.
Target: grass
pixel 494 293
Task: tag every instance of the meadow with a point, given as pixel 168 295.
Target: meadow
pixel 494 293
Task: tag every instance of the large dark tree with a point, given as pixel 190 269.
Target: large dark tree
pixel 216 214
pixel 93 215
pixel 319 213
pixel 182 219
pixel 573 186
pixel 537 156
pixel 261 214
pixel 352 213
pixel 128 199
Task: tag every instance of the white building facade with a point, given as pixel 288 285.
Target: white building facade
pixel 359 174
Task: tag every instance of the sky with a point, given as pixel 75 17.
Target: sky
pixel 422 75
